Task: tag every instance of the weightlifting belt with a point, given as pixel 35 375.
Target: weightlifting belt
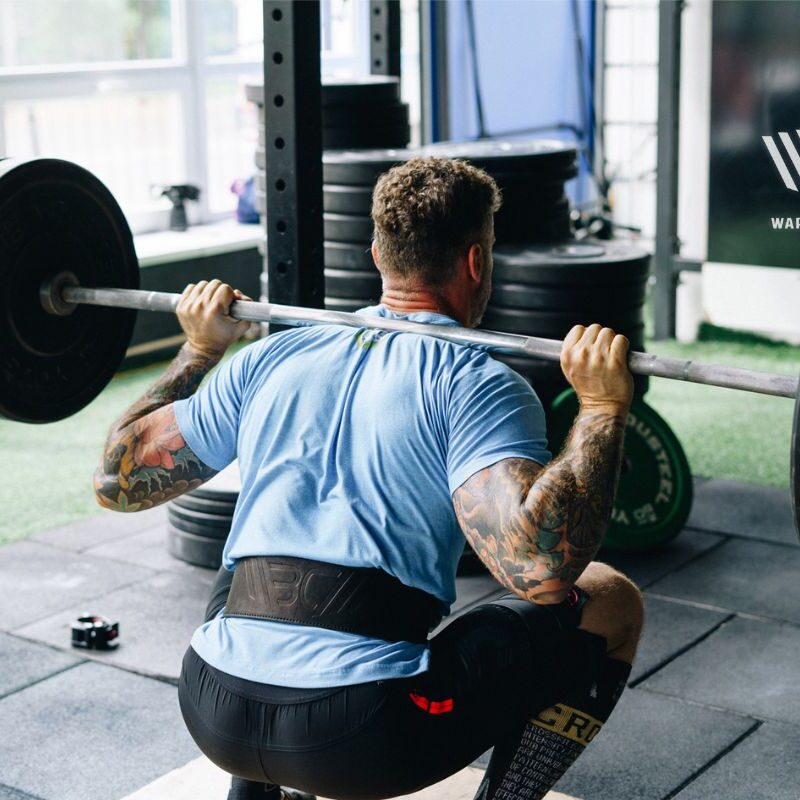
pixel 362 600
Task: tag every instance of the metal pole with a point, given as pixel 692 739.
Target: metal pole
pixel 384 37
pixel 527 346
pixel 667 245
pixel 433 70
pixel 293 151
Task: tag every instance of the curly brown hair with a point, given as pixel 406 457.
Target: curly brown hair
pixel 427 212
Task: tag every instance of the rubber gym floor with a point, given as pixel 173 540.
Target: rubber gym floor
pixel 713 707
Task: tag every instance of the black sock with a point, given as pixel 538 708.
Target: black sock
pixel 253 790
pixel 527 766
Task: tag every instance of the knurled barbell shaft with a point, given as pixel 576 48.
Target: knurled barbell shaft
pixel 527 346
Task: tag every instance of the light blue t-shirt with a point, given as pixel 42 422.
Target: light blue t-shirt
pixel 350 444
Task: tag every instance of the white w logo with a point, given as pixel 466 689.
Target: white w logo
pixel 777 158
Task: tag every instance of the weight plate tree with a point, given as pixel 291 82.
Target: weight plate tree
pixel 52 366
pixel 654 497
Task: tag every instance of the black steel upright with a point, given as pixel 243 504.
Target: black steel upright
pixel 384 37
pixel 669 88
pixel 293 147
pixel 433 70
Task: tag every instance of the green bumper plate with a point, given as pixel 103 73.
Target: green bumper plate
pixel 655 491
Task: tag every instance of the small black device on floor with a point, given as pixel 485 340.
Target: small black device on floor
pixel 95 632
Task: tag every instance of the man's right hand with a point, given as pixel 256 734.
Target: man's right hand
pixel 204 314
pixel 595 362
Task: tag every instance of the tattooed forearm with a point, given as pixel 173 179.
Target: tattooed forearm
pixel 146 461
pixel 537 529
pixel 182 378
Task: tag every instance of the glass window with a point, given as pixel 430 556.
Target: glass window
pixel 131 141
pixel 36 33
pixel 232 136
pixel 233 28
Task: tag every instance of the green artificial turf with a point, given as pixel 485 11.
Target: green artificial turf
pixel 48 468
pixel 726 433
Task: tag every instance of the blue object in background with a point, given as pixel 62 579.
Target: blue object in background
pixel 246 207
pixel 527 72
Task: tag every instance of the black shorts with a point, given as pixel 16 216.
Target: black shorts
pixel 491 669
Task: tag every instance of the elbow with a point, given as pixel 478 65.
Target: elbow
pixel 107 492
pixel 539 583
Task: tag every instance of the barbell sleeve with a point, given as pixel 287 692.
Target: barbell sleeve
pixel 526 346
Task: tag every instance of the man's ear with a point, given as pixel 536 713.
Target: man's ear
pixel 476 262
pixel 374 250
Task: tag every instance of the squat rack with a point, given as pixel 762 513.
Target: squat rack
pixel 293 139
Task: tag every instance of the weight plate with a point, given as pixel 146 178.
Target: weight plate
pixel 197 550
pixel 349 305
pixel 585 263
pixel 538 232
pixel 223 487
pixel 364 116
pixel 580 299
pixel 534 197
pixel 206 531
pixel 347 199
pixel 353 284
pixel 520 216
pixel 347 228
pixel 540 158
pixel 654 497
pixel 527 226
pixel 56 216
pixel 545 160
pixel 221 508
pixel 177 516
pixel 360 167
pixel 376 135
pixel 343 255
pixel 366 90
pixel 556 325
pixel 525 321
pixel 546 182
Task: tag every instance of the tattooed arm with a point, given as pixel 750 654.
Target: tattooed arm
pixel 146 460
pixel 536 528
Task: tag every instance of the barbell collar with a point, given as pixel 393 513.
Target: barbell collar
pixel 60 293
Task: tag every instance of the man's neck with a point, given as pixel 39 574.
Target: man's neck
pixel 410 301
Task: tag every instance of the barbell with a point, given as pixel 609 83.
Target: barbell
pixel 70 292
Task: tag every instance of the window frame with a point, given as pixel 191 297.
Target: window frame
pixel 186 74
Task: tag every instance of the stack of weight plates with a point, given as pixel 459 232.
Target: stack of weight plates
pixel 530 174
pixel 541 290
pixel 199 521
pixel 351 279
pixel 366 112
